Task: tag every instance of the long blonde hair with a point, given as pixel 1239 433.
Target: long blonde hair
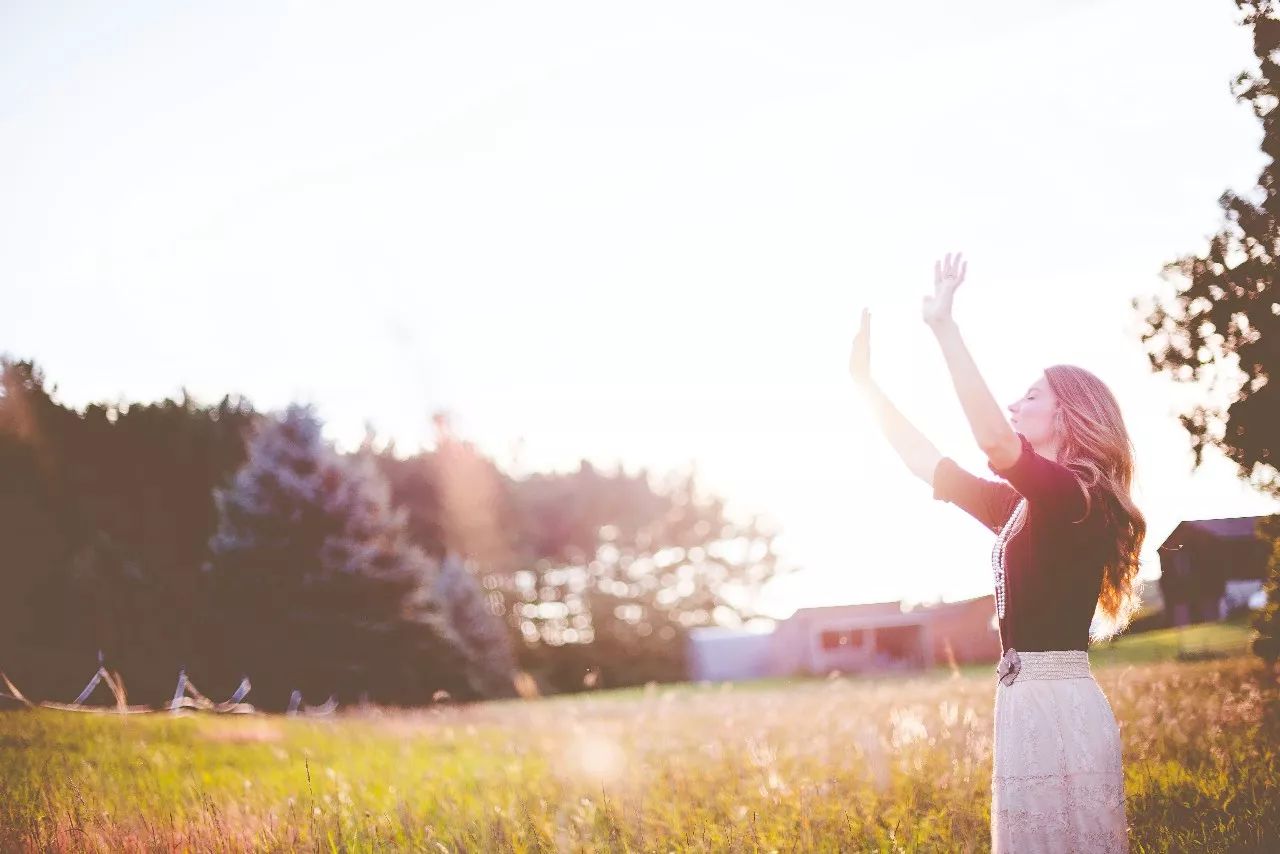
pixel 1094 443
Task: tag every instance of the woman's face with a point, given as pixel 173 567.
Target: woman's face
pixel 1032 416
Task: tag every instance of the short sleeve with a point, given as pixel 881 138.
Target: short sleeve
pixel 1050 487
pixel 988 501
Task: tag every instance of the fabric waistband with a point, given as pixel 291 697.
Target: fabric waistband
pixel 1054 664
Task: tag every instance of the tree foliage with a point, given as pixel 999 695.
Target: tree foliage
pixel 1221 328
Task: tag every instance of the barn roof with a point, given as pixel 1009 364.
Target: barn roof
pixel 985 600
pixel 874 611
pixel 865 609
pixel 1240 528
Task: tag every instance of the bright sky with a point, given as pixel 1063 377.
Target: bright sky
pixel 639 234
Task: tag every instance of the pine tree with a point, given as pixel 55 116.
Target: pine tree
pixel 482 631
pixel 321 586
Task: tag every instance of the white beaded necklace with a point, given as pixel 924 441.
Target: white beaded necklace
pixel 997 554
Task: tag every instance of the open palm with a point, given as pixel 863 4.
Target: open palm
pixel 948 275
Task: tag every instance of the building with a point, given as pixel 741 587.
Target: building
pixel 722 655
pixel 1210 566
pixel 875 637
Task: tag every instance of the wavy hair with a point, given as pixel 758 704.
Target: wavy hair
pixel 1094 443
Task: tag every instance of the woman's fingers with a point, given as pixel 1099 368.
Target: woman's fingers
pixel 950 271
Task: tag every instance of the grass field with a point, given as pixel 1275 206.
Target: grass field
pixel 892 764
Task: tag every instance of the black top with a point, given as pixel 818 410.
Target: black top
pixel 1054 565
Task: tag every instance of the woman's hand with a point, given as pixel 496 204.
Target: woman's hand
pixel 948 275
pixel 860 358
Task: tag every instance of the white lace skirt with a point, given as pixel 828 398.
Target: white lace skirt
pixel 1057 783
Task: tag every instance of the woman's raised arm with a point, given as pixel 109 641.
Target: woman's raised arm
pixel 993 433
pixel 919 454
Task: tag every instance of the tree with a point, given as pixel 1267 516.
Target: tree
pixel 105 516
pixel 596 573
pixel 615 562
pixel 1267 621
pixel 40 641
pixel 145 477
pixel 669 546
pixel 475 617
pixel 170 534
pixel 329 593
pixel 1223 323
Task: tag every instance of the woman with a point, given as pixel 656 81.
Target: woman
pixel 1067 542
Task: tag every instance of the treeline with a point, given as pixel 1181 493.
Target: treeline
pixel 233 542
